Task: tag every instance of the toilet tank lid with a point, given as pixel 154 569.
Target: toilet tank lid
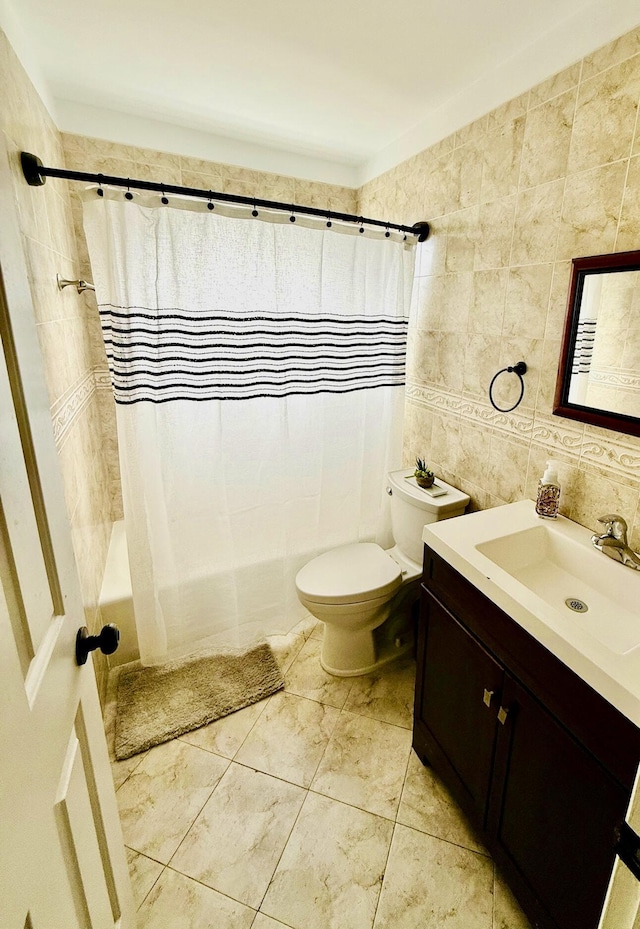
pixel 403 483
pixel 349 574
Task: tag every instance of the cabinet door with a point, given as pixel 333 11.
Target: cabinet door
pixel 458 703
pixel 552 814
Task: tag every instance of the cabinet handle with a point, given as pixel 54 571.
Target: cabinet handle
pixel 488 694
pixel 502 715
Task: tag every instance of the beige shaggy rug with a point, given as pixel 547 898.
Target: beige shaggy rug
pixel 159 703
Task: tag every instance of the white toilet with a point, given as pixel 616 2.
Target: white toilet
pixel 355 588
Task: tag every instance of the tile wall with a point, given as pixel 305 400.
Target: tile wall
pixel 551 175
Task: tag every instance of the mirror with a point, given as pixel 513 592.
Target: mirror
pixel 599 370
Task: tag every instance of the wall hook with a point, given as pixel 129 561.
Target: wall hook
pixel 80 286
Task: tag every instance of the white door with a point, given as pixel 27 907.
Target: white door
pixel 62 859
pixel 622 906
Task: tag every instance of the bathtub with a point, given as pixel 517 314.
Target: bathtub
pixel 116 600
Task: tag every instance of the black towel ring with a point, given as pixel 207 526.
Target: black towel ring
pixel 518 369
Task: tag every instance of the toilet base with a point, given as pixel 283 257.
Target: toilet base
pixel 367 659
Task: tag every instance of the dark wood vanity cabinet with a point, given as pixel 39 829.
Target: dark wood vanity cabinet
pixel 542 764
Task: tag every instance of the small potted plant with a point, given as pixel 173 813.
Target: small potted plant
pixel 424 477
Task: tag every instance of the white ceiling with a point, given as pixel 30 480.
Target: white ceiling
pixel 338 90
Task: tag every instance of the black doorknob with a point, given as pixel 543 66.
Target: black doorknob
pixel 107 642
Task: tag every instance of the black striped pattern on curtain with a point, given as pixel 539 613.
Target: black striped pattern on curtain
pixel 157 355
pixel 585 337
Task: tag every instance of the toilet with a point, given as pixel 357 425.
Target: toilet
pixel 364 594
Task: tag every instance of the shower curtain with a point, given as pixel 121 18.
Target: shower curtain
pixel 257 367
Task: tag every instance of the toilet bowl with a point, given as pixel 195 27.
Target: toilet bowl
pixel 364 594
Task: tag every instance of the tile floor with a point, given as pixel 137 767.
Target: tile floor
pixel 308 810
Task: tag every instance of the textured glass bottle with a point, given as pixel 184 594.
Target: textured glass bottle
pixel 548 499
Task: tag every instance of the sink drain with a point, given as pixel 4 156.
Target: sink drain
pixel 578 606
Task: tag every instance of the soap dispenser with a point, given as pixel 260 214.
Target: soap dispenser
pixel 548 499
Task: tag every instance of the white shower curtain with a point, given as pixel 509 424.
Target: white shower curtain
pixel 257 369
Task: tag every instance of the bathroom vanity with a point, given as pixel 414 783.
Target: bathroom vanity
pixel 531 732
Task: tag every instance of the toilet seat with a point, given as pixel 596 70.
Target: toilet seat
pixel 354 573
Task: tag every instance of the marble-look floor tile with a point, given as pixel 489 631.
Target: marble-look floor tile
pixel 365 764
pixel 286 648
pixel 120 770
pixel 506 910
pixel 427 805
pixel 386 695
pixel 265 922
pixel 160 800
pixel 226 735
pixel 236 841
pixel 330 873
pixel 290 738
pixel 144 872
pixel 176 902
pixel 307 625
pixel 429 883
pixel 307 678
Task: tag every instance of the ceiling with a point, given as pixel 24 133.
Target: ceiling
pixel 345 88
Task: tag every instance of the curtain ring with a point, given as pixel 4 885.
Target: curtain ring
pixel 128 195
pixel 210 205
pixel 100 191
pixel 254 212
pixel 520 368
pixel 163 198
pixel 387 233
pixel 292 218
pixel 329 223
pixel 361 229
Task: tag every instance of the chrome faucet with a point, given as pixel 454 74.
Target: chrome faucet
pixel 613 541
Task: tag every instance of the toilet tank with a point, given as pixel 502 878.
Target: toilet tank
pixel 412 508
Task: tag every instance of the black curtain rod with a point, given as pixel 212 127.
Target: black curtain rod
pixel 36 174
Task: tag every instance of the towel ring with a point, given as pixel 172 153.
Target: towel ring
pixel 520 368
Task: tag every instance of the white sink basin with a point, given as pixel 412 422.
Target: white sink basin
pixel 530 567
pixel 586 587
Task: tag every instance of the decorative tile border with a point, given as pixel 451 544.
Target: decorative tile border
pixel 67 408
pixel 619 457
pixel 102 377
pixel 475 412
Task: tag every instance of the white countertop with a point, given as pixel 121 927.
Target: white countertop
pixel 616 676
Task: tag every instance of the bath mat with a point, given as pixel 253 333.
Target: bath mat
pixel 157 704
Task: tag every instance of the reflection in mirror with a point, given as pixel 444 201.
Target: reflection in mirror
pixel 599 374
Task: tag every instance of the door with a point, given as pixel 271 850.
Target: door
pixel 458 704
pixel 62 860
pixel 553 813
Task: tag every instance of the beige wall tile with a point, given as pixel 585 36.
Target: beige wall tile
pixel 495 234
pixel 488 293
pixel 480 363
pixel 628 236
pixel 553 86
pixel 522 246
pixel 508 111
pixel 605 117
pixel 527 302
pixel 618 50
pixel 462 232
pixel 502 151
pixel 590 211
pixel 537 222
pixel 547 140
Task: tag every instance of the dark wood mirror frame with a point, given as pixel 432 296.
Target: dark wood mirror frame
pixel 595 264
